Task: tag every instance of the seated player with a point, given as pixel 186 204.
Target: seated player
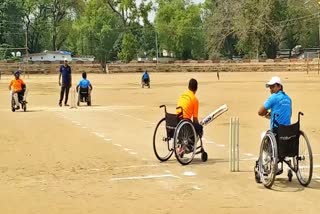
pixel 18 87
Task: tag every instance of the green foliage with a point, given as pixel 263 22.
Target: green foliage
pixel 128 51
pixel 180 28
pixel 252 28
pixel 120 29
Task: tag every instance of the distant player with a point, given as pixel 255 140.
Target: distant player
pixel 18 88
pixel 84 83
pixel 65 73
pixel 145 80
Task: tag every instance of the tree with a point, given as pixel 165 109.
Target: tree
pixel 11 26
pixel 221 37
pixel 95 32
pixel 62 13
pixel 129 48
pixel 180 28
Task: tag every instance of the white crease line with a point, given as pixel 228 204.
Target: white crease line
pixel 189 173
pixel 144 159
pixel 248 154
pixel 107 139
pixel 144 177
pixel 196 188
pixel 132 153
pixel 84 127
pixel 220 145
pixel 136 118
pixel 210 142
pixel 118 145
pixel 126 149
pixel 98 134
pixel 249 159
pixel 137 166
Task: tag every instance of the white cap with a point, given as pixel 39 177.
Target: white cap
pixel 273 81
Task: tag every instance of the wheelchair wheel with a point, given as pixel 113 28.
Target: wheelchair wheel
pixel 162 144
pixel 13 109
pixel 204 156
pixel 304 161
pixel 268 159
pixel 185 142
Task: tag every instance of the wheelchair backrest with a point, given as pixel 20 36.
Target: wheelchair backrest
pixel 288 140
pixel 172 121
pixel 84 90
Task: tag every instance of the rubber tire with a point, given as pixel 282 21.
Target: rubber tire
pixel 290 175
pixel 311 162
pixel 160 158
pixel 204 156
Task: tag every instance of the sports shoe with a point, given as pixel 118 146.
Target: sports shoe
pixel 17 107
pixel 60 104
pixel 66 104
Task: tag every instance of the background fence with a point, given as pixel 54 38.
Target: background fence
pixel 285 65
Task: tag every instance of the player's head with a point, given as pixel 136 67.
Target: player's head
pixel 274 84
pixel 17 74
pixel 65 61
pixel 193 85
pixel 84 75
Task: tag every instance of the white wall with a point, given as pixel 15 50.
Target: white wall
pixel 48 57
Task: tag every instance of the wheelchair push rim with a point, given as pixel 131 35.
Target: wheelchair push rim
pixel 268 160
pixel 162 144
pixel 185 142
pixel 304 160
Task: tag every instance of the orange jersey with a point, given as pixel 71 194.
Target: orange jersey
pixel 190 105
pixel 16 85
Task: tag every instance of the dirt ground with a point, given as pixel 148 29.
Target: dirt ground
pixel 100 159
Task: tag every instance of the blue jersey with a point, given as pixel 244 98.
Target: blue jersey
pixel 281 109
pixel 66 74
pixel 145 76
pixel 84 83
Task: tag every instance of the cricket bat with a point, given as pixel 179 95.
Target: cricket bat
pixel 213 115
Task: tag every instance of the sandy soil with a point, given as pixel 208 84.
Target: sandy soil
pixel 100 159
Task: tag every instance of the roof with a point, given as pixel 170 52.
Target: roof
pixel 51 52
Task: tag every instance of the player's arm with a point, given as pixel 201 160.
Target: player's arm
pixel 59 80
pixel 90 86
pixel 262 111
pixel 10 85
pixel 195 111
pixel 70 77
pixel 23 86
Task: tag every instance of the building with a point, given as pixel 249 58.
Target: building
pixel 53 56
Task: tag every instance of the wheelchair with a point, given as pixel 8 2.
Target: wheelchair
pixel 145 82
pixel 176 135
pixel 21 99
pixel 285 144
pixel 84 96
